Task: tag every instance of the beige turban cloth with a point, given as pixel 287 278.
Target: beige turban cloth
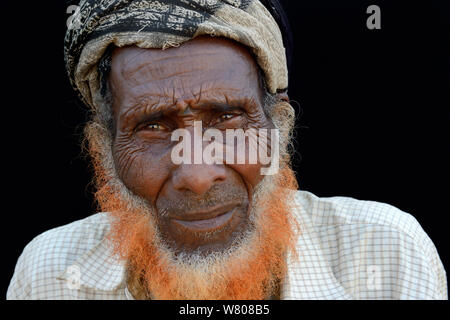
pixel 164 24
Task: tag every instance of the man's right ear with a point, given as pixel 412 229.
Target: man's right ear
pixel 283 96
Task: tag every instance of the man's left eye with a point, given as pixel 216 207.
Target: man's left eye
pixel 154 127
pixel 227 116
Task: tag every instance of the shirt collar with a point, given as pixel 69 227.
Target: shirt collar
pixel 309 276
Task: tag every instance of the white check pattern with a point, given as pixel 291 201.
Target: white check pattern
pixel 348 249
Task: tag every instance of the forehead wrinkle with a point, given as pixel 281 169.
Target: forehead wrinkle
pixel 154 63
pixel 174 94
pixel 130 60
pixel 152 78
pixel 169 96
pixel 228 96
pixel 160 74
pixel 142 106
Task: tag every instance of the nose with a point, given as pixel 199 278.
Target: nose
pixel 198 178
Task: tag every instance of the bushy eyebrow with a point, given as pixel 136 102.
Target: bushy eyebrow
pixel 218 107
pixel 157 111
pixel 140 112
pixel 145 112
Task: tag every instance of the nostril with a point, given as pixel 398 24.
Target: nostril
pixel 219 179
pixel 197 178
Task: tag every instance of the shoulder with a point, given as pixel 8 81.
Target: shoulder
pixel 346 211
pixel 51 252
pixel 358 236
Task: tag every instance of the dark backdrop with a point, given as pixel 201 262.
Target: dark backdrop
pixel 373 110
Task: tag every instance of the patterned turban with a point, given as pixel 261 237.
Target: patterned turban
pixel 164 24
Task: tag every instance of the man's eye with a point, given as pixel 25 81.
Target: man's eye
pixel 154 127
pixel 227 116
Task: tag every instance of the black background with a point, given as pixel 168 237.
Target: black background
pixel 373 105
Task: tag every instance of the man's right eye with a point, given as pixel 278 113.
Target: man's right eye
pixel 153 127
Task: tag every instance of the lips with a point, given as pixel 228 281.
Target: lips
pixel 207 221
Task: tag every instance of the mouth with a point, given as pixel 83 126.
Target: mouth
pixel 207 221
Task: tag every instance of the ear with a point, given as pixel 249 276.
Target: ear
pixel 283 96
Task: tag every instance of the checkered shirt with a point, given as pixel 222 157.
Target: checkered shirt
pixel 348 249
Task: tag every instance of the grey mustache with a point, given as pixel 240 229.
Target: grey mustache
pixel 189 201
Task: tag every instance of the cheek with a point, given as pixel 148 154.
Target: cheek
pixel 143 169
pixel 251 173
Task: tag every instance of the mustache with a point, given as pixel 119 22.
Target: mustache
pixel 220 194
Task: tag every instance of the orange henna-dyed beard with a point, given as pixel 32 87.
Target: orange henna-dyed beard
pixel 251 269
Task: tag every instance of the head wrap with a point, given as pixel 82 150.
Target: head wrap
pixel 169 23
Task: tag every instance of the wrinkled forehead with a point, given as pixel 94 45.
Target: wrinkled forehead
pixel 204 61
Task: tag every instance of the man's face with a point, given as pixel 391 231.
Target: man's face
pixel 199 206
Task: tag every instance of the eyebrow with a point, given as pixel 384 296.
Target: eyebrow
pixel 156 112
pixel 141 112
pixel 217 106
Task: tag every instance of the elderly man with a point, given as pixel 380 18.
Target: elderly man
pixel 208 229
